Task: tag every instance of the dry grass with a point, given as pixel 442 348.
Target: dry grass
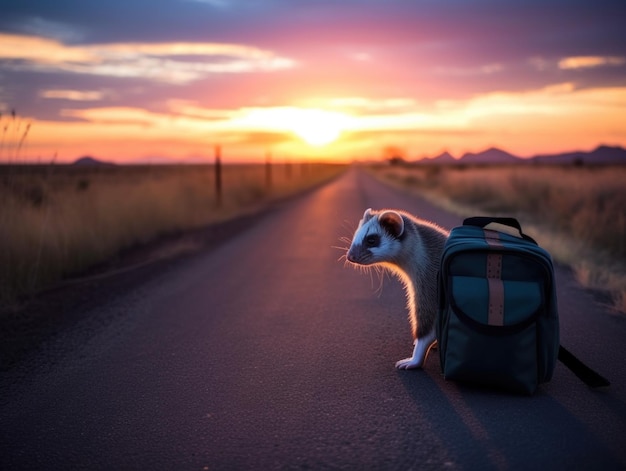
pixel 57 220
pixel 577 213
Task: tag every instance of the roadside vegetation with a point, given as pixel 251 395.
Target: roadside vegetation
pixel 576 212
pixel 58 220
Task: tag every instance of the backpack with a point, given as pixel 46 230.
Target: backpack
pixel 498 322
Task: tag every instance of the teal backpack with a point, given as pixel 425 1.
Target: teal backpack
pixel 498 322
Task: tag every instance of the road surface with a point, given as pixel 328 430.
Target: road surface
pixel 265 352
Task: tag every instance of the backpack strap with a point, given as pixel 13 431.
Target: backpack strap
pixel 510 226
pixel 588 376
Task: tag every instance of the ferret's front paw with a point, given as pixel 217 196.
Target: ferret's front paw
pixel 409 364
pixel 420 352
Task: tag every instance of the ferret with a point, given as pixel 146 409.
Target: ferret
pixel 411 249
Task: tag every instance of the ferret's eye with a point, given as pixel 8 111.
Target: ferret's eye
pixel 372 240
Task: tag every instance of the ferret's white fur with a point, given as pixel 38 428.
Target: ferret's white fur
pixel 410 248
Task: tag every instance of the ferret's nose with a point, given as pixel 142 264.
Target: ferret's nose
pixel 350 256
pixel 353 254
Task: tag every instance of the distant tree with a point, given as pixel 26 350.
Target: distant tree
pixel 394 155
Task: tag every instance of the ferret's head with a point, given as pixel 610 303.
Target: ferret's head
pixel 377 239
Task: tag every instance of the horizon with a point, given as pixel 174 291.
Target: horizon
pixel 210 160
pixel 313 80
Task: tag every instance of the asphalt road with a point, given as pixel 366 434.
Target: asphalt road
pixel 267 353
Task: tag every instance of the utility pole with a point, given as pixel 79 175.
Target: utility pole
pixel 218 176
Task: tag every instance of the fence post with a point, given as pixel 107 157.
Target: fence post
pixel 268 171
pixel 218 176
pixel 288 169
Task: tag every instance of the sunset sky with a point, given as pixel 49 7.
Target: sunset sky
pixel 160 80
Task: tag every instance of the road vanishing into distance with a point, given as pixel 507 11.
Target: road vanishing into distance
pixel 266 352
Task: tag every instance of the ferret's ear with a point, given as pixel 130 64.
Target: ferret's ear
pixel 392 222
pixel 367 215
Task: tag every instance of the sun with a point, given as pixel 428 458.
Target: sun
pixel 318 135
pixel 317 127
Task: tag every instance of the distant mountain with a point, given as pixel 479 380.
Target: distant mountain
pixel 600 155
pixel 443 158
pixel 489 156
pixel 88 161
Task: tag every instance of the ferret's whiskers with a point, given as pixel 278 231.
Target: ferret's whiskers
pixel 363 269
pixel 348 225
pixel 381 276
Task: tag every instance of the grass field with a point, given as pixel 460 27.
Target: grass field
pixel 578 213
pixel 57 220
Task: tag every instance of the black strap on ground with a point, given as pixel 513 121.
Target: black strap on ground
pixel 588 376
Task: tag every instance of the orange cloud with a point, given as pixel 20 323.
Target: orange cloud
pixel 167 62
pixel 74 95
pixel 41 50
pixel 583 62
